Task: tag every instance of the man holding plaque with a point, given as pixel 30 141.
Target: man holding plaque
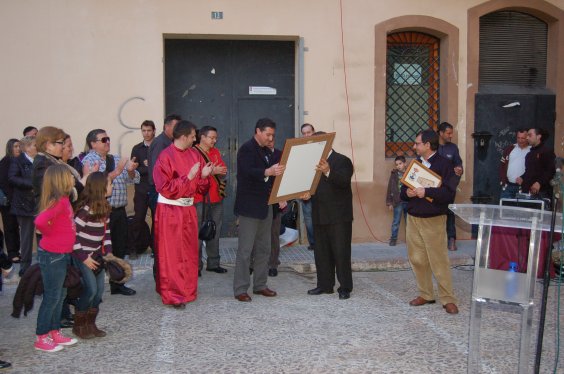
pixel 332 214
pixel 426 219
pixel 256 170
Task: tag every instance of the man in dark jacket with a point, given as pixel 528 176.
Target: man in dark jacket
pixel 539 166
pixel 255 175
pixel 332 215
pixel 426 219
pixel 141 196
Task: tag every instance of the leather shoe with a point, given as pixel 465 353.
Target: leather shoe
pixel 121 289
pixel 243 297
pixel 5 364
pixel 272 272
pixel 66 323
pixel 451 308
pixel 418 301
pixel 179 306
pixel 343 295
pixel 218 270
pixel 318 291
pixel 265 292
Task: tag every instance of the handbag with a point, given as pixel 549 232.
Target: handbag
pixel 207 228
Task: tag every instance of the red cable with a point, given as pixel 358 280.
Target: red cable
pixel 350 125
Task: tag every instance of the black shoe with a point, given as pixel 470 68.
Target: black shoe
pixel 272 272
pixel 343 295
pixel 318 291
pixel 66 323
pixel 121 289
pixel 311 247
pixel 5 365
pixel 218 270
pixel 251 271
pixel 199 273
pixel 180 306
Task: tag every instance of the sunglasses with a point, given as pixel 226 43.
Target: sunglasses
pixel 105 139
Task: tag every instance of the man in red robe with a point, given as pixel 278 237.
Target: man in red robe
pixel 180 172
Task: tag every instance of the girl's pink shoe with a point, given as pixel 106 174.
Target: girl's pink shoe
pixel 46 344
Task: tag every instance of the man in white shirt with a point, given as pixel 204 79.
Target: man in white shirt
pixel 512 166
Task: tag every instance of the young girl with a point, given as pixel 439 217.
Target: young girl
pixel 55 222
pixel 92 242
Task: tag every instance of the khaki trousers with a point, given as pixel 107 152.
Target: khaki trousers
pixel 427 253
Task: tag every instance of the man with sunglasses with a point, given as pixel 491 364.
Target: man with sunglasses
pixel 122 171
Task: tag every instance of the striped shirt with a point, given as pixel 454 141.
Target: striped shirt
pixel 90 234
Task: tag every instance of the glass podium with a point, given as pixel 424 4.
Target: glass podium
pixel 501 286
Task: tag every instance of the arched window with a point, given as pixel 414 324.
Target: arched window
pixel 513 50
pixel 412 89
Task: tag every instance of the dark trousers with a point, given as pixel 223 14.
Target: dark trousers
pixel 140 205
pixel 11 232
pixel 450 225
pixel 333 253
pixel 27 228
pixel 118 231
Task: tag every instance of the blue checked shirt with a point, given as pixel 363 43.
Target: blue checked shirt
pixel 119 185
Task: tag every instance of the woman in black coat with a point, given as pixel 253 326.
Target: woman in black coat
pixel 23 201
pixel 9 221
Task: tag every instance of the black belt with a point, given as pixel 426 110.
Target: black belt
pixel 118 208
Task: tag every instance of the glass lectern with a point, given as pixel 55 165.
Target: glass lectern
pixel 494 286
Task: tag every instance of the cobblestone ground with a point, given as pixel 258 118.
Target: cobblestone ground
pixel 375 331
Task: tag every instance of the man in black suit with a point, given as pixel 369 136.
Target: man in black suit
pixel 255 176
pixel 332 216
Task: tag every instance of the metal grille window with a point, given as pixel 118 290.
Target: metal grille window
pixel 412 100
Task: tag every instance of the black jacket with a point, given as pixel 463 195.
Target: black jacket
pixel 19 176
pixel 332 202
pixel 4 169
pixel 141 153
pixel 251 199
pixel 539 167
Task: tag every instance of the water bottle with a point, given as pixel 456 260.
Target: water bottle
pixel 511 285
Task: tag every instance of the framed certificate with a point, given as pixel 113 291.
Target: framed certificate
pixel 301 156
pixel 418 175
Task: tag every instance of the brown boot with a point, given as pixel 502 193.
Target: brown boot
pixel 81 327
pixel 92 314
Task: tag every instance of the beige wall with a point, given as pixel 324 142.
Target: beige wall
pixel 73 64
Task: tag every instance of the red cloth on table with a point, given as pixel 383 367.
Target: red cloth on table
pixel 512 245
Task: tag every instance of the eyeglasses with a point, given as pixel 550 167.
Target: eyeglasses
pixel 105 139
pixel 61 142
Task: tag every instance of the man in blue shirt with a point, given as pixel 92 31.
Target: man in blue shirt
pixel 449 150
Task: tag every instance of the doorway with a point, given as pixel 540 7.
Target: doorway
pixel 230 84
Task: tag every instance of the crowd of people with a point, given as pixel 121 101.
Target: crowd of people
pixel 74 206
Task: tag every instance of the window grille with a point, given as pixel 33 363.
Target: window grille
pixel 412 84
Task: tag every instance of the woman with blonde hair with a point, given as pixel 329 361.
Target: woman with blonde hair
pixel 56 224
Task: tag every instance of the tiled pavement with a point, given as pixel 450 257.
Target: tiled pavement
pixel 376 331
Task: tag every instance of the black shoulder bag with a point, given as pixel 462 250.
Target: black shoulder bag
pixel 207 228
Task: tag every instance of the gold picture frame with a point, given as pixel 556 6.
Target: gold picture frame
pixel 418 175
pixel 300 156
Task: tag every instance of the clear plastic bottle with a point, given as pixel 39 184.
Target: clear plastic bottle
pixel 511 285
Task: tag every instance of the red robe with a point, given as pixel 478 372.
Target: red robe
pixel 176 227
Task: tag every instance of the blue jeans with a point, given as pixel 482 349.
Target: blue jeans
pixel 399 210
pixel 306 209
pixel 92 287
pixel 53 271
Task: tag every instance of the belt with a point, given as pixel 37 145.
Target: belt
pixel 183 201
pixel 118 207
